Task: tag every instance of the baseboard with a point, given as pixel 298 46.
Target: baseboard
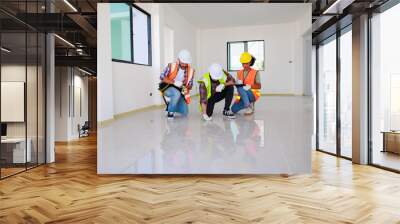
pixel 160 106
pixel 102 124
pixel 143 109
pixel 279 94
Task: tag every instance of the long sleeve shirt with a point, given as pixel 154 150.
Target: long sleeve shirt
pixel 166 71
pixel 214 84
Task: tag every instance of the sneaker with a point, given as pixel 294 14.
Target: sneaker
pixel 206 118
pixel 229 114
pixel 248 111
pixel 170 115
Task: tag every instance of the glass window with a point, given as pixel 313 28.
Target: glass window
pixel 256 48
pixel 385 87
pixel 235 49
pixel 141 37
pixel 327 96
pixel 346 94
pixel 130 34
pixel 121 31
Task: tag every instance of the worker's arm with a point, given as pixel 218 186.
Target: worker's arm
pixel 167 80
pixel 257 82
pixel 230 81
pixel 204 108
pixel 164 74
pixel 203 97
pixel 191 81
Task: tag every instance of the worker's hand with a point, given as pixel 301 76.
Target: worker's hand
pixel 206 117
pixel 219 88
pixel 247 87
pixel 178 83
pixel 240 82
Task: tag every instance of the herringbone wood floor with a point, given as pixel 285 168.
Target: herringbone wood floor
pixel 70 191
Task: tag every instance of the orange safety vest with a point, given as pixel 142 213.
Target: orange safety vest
pixel 173 72
pixel 250 80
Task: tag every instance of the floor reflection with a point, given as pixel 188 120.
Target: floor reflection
pixel 277 139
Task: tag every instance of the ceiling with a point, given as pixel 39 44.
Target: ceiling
pixel 239 14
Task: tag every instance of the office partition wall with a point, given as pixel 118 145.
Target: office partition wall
pixel 22 107
pixel 327 96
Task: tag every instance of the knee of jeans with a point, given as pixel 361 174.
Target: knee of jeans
pixel 175 96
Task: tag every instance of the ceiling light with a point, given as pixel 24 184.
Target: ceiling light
pixel 65 41
pixel 70 5
pixel 84 71
pixel 5 50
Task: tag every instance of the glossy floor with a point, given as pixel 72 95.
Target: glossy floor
pixel 386 159
pixel 275 140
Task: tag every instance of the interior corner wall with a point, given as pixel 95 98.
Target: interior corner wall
pixel 124 87
pixel 283 73
pixel 185 37
pixel 133 86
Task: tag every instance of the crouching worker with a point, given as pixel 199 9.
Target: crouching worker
pixel 176 83
pixel 216 85
pixel 248 85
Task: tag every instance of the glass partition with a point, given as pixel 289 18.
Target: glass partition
pixel 327 96
pixel 14 153
pixel 22 100
pixel 346 93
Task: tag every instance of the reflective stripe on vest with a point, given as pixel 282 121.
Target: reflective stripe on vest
pixel 207 82
pixel 250 80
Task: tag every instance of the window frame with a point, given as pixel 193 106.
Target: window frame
pixel 333 37
pixel 131 39
pixel 245 42
pixel 149 44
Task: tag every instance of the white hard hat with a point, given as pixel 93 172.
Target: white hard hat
pixel 215 71
pixel 185 57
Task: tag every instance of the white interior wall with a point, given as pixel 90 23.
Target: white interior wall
pixel 18 73
pixel 135 86
pixel 105 95
pixel 279 52
pixel 286 53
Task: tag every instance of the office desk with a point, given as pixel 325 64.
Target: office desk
pixel 13 150
pixel 391 141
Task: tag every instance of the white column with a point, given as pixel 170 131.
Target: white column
pixel 360 90
pixel 50 99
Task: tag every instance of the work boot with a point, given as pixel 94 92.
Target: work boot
pixel 248 111
pixel 229 114
pixel 170 115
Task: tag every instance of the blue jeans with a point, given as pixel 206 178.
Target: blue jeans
pixel 177 102
pixel 246 97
